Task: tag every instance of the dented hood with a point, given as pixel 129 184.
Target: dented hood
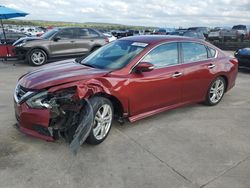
pixel 59 73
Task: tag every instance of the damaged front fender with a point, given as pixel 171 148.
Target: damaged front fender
pixel 71 115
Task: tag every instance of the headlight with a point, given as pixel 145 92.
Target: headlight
pixel 20 44
pixel 38 101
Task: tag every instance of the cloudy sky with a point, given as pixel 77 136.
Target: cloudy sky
pixel 161 13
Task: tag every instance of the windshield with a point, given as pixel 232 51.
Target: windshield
pixel 115 55
pixel 49 34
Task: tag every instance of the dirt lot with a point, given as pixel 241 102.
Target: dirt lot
pixel 194 146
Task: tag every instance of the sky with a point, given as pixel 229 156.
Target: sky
pixel 159 13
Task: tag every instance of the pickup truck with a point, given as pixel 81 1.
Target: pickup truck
pixel 242 31
pixel 223 34
pixel 237 33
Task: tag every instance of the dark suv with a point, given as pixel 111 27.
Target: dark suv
pixel 59 42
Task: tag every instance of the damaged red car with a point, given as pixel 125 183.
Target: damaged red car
pixel 131 78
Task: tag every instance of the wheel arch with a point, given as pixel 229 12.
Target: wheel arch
pixel 40 48
pixel 118 107
pixel 226 80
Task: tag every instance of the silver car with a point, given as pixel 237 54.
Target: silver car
pixel 59 42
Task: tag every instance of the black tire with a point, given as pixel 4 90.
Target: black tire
pixel 209 100
pixel 97 103
pixel 42 55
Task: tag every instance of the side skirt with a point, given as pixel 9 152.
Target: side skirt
pixel 159 110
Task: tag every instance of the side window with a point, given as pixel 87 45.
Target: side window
pixel 193 52
pixel 83 33
pixel 211 52
pixel 163 55
pixel 66 34
pixel 93 33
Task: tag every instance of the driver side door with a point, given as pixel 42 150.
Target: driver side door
pixel 65 43
pixel 161 87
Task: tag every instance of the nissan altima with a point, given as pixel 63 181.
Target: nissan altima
pixel 128 79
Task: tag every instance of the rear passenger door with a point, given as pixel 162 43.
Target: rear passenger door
pixel 199 70
pixel 86 39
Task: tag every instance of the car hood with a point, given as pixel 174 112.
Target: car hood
pixel 26 39
pixel 59 73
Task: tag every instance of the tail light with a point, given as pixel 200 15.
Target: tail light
pixel 106 40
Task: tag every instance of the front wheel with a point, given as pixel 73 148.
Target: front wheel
pixel 103 117
pixel 216 91
pixel 37 57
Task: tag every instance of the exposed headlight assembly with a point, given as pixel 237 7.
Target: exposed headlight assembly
pixel 38 101
pixel 20 44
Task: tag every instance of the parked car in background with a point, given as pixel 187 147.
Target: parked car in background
pixel 110 37
pixel 204 30
pixel 178 32
pixel 32 31
pixel 243 56
pixel 223 34
pixel 194 34
pixel 119 81
pixel 147 32
pixel 59 42
pixel 164 31
pixel 11 37
pixel 187 33
pixel 129 33
pixel 119 33
pixel 242 31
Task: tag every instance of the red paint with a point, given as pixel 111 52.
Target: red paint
pixel 6 50
pixel 141 94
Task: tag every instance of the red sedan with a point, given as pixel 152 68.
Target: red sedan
pixel 131 78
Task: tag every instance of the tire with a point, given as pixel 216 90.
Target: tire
pixel 37 57
pixel 99 104
pixel 214 95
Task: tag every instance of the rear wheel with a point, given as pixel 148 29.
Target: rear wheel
pixel 103 117
pixel 37 57
pixel 216 91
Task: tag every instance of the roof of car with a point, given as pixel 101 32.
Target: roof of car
pixel 151 39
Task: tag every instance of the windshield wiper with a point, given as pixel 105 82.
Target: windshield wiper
pixel 88 65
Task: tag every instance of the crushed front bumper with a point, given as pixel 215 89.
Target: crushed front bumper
pixel 33 122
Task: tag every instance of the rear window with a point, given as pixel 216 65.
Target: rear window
pixel 239 27
pixel 93 33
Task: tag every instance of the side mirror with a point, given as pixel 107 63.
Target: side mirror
pixel 56 38
pixel 144 67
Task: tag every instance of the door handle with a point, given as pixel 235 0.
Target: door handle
pixel 177 74
pixel 72 41
pixel 211 66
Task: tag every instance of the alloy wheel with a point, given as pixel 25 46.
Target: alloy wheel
pixel 216 91
pixel 38 57
pixel 102 121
